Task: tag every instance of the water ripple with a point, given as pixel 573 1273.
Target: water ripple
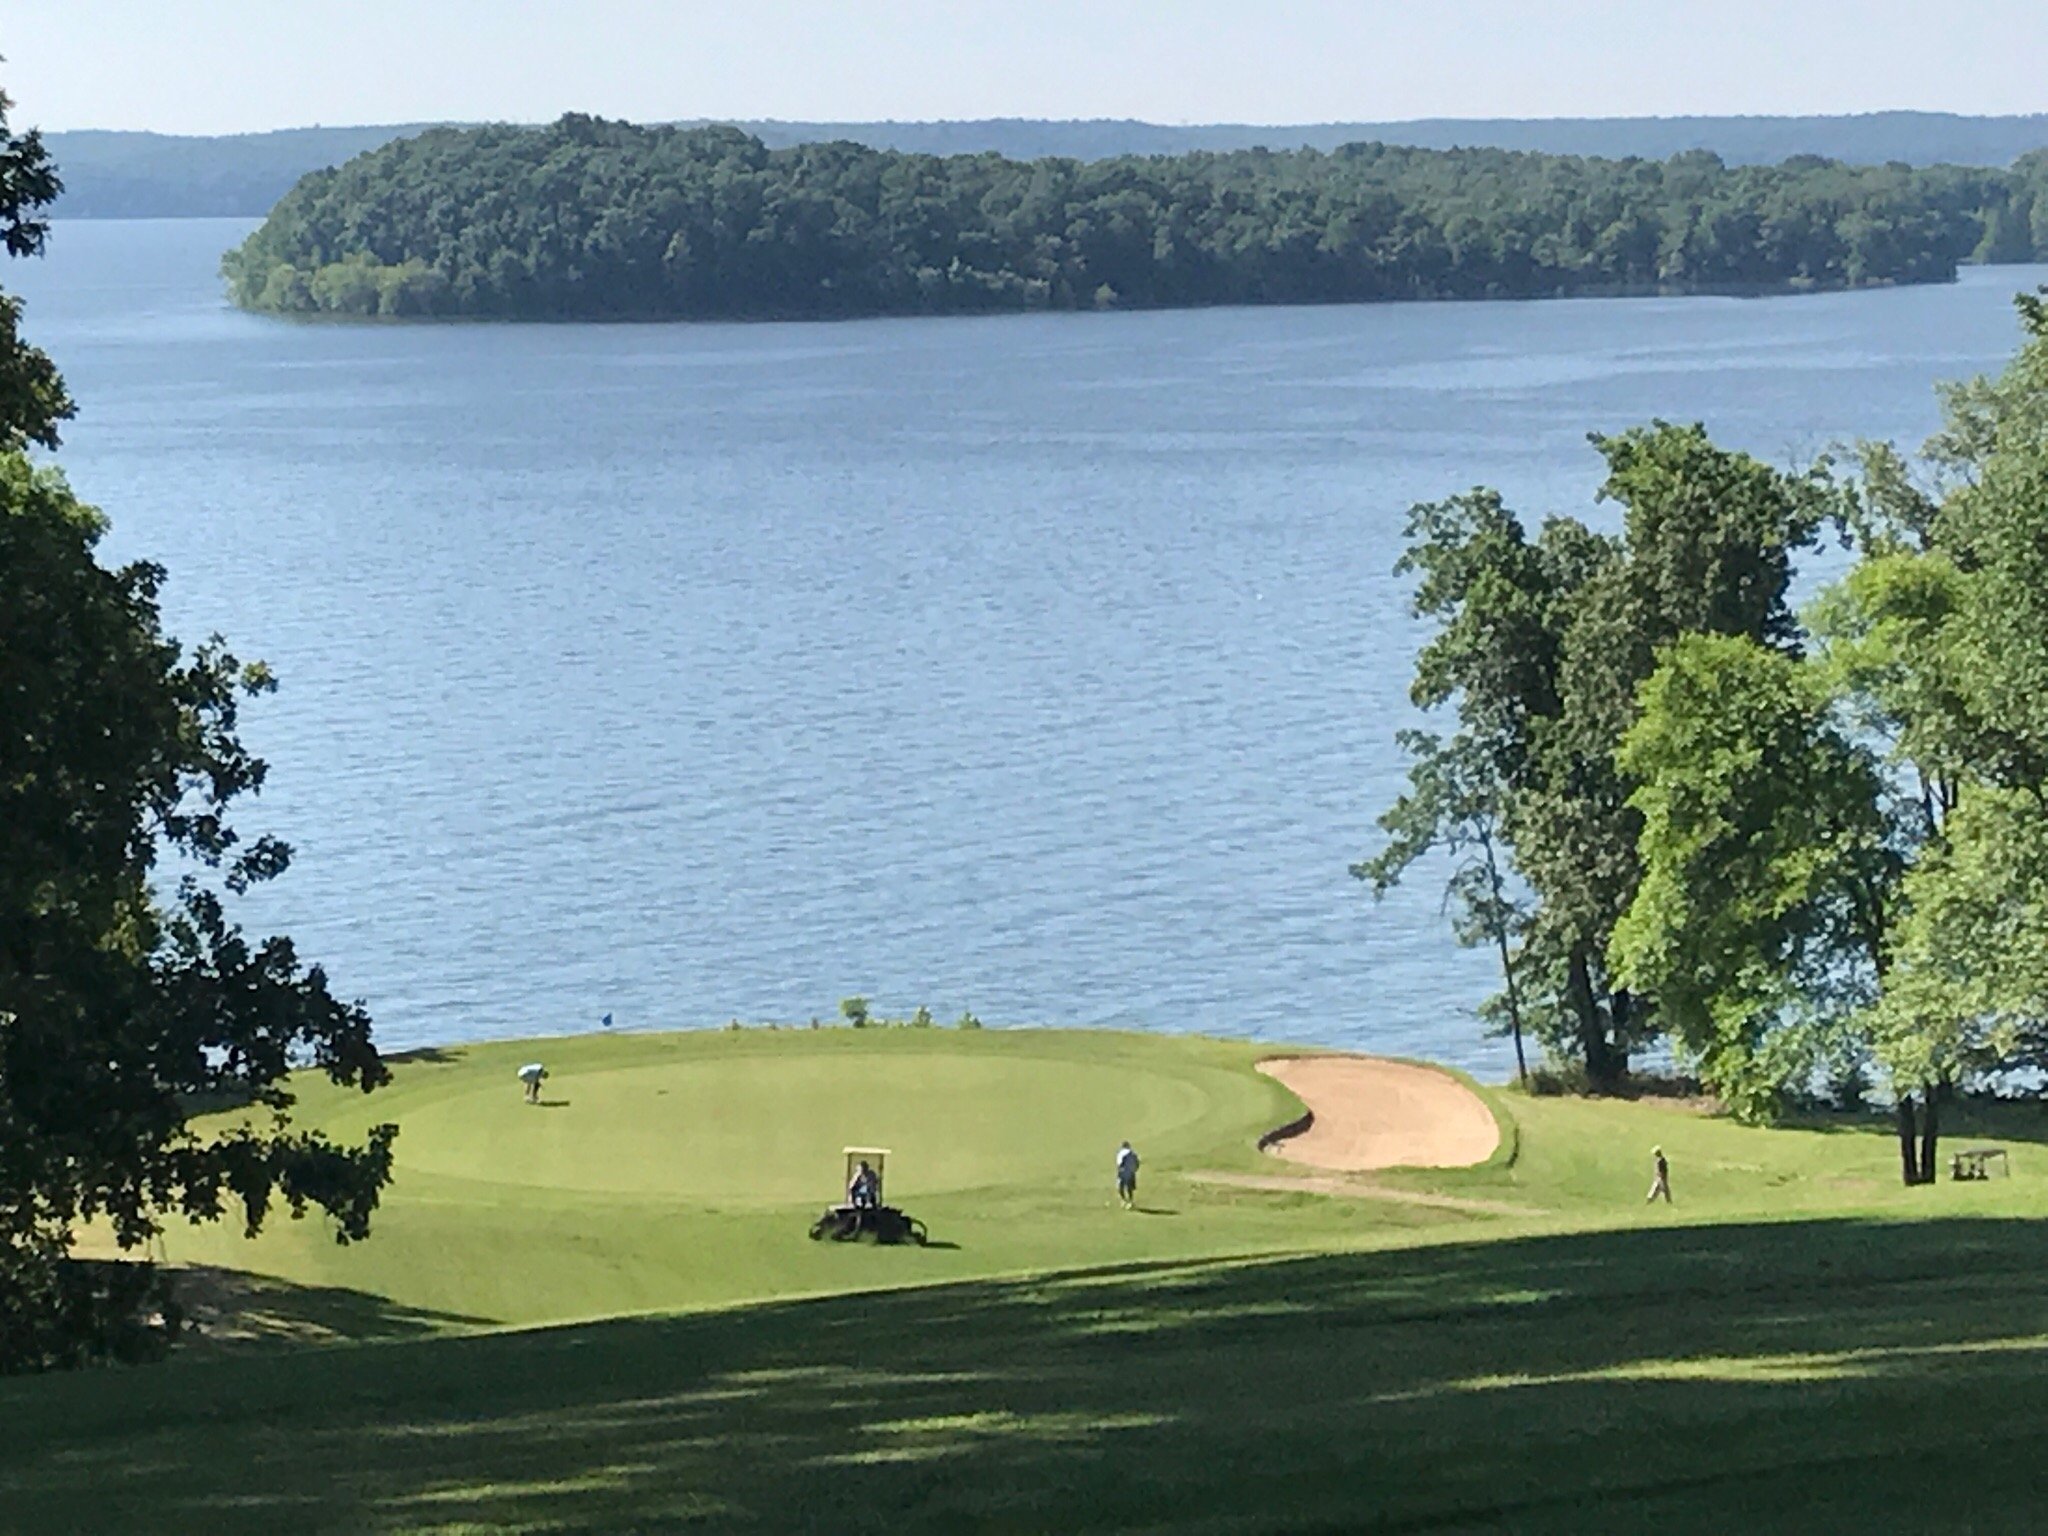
pixel 1044 666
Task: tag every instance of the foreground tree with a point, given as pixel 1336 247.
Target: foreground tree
pixel 32 398
pixel 127 997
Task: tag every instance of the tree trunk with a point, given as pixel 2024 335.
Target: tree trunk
pixel 1930 1131
pixel 1507 959
pixel 1621 1009
pixel 1507 970
pixel 1909 1162
pixel 1593 1044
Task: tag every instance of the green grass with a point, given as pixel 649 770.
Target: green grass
pixel 1798 1345
pixel 682 1170
pixel 1806 1376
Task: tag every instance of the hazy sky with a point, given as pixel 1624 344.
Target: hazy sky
pixel 211 66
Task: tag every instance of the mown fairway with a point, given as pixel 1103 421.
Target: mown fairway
pixel 1809 1377
pixel 1798 1345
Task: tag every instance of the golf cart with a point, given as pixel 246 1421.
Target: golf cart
pixel 863 1214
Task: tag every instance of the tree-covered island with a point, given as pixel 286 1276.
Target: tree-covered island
pixel 588 218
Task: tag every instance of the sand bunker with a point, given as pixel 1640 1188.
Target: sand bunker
pixel 1368 1114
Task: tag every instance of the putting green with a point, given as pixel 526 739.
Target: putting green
pixel 766 1128
pixel 666 1171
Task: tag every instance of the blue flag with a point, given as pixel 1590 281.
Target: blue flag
pixel 606 1021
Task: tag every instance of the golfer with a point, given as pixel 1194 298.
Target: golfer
pixel 1127 1175
pixel 533 1074
pixel 1661 1184
pixel 864 1193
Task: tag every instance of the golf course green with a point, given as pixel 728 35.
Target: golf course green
pixel 601 1312
pixel 666 1171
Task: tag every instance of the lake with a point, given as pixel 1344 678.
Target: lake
pixel 1044 666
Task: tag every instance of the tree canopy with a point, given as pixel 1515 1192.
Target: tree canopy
pixel 1541 647
pixel 128 998
pixel 32 397
pixel 589 218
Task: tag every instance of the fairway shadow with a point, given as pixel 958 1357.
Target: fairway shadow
pixel 230 1310
pixel 1813 1375
pixel 551 1103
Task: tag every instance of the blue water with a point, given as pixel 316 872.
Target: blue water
pixel 1044 666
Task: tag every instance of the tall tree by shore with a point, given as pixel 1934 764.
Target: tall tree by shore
pixel 1541 646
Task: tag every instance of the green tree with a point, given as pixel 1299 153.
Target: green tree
pixel 32 397
pixel 1453 806
pixel 1844 834
pixel 1541 646
pixel 1769 869
pixel 127 997
pixel 1706 548
pixel 1792 847
pixel 1967 994
pixel 1952 640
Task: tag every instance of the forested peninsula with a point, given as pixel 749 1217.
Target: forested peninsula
pixel 593 219
pixel 127 175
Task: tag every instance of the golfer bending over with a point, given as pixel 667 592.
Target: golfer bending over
pixel 1126 1175
pixel 533 1074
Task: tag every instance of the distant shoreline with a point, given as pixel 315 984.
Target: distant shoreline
pixel 797 317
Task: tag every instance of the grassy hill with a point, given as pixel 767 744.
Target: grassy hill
pixel 1798 1344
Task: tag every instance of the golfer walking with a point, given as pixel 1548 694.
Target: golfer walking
pixel 1661 1184
pixel 1127 1175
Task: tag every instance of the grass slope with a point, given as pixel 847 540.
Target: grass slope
pixel 1798 1345
pixel 1811 1376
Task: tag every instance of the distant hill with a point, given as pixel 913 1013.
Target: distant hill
pixel 109 175
pixel 1915 138
pixel 151 175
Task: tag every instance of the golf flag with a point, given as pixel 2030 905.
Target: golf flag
pixel 606 1021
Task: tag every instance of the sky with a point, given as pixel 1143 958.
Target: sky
pixel 227 66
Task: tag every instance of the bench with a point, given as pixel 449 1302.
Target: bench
pixel 1975 1163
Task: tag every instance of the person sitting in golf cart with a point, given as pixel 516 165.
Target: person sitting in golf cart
pixel 864 1190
